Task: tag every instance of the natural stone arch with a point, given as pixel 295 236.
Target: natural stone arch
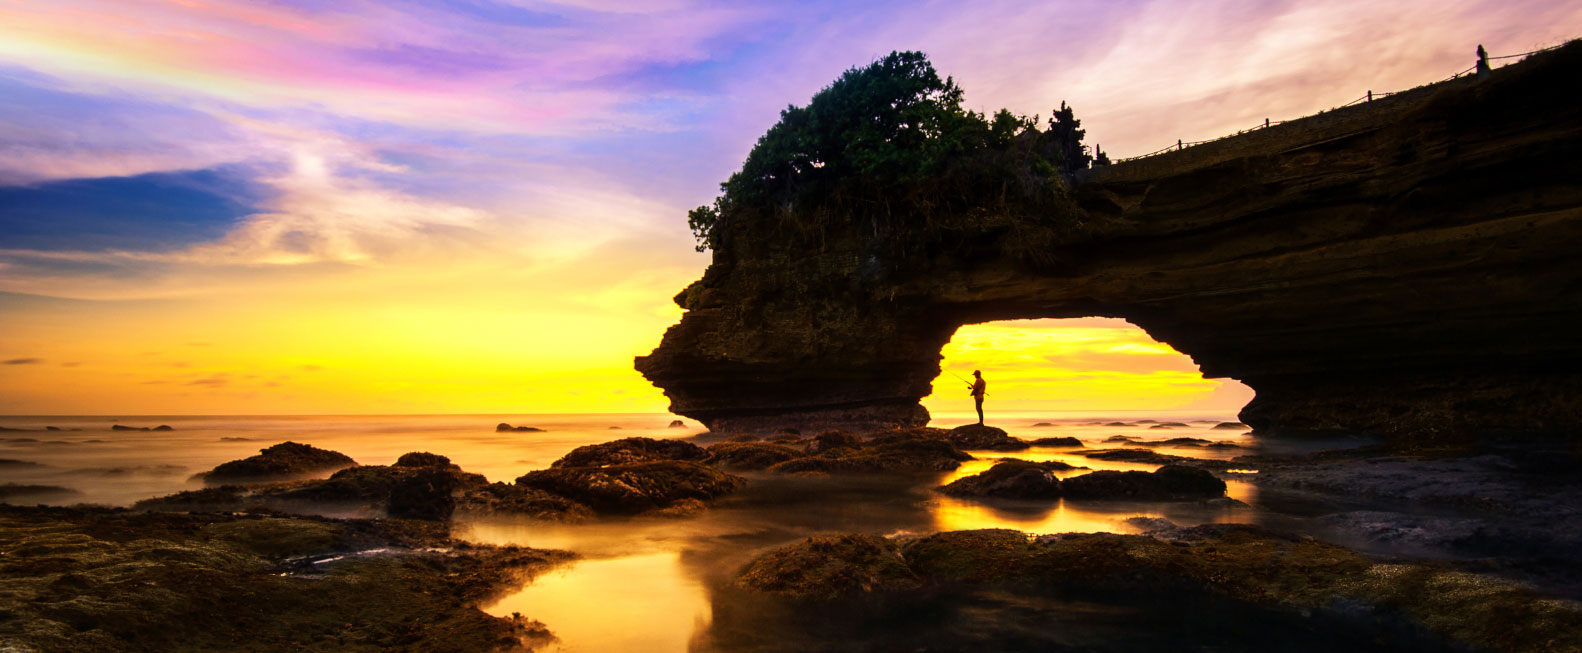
pixel 1405 267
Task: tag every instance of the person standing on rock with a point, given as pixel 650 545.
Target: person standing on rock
pixel 979 388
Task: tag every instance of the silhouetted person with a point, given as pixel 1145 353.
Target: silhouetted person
pixel 979 388
pixel 1483 61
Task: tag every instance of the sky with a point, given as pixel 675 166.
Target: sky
pixel 478 206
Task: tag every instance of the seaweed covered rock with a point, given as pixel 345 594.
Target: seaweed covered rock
pixel 164 582
pixel 634 487
pixel 829 567
pixel 520 501
pixel 831 440
pixel 903 453
pixel 420 486
pixel 287 460
pixel 422 459
pixel 1011 479
pixel 631 450
pixel 986 438
pixel 1243 568
pixel 1168 483
pixel 750 455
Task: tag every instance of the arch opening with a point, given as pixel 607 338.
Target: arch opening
pixel 1078 366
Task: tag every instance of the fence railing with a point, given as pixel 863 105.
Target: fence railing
pixel 1366 97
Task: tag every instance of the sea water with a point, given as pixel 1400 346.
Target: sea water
pixel 641 583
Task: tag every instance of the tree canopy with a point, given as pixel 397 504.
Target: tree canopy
pixel 890 133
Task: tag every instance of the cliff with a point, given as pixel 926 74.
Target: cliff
pixel 1407 267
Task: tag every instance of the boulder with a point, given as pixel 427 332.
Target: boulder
pixel 503 427
pixel 1067 441
pixel 1122 438
pixel 1011 479
pixel 830 567
pixel 629 488
pixel 1131 456
pixel 1230 426
pixel 631 450
pixel 520 501
pixel 1168 483
pixel 984 438
pixel 1042 425
pixel 897 453
pixel 422 459
pixel 677 424
pixel 750 455
pixel 429 493
pixel 830 440
pixel 1182 442
pixel 287 460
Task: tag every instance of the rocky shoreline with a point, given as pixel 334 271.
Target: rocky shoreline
pixel 96 579
pixel 1467 548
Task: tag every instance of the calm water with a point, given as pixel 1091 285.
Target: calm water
pixel 643 583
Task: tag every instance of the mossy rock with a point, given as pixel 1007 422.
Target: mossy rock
pixel 631 450
pixel 287 460
pixel 1011 479
pixel 829 567
pixel 634 487
pixel 750 455
pixel 1168 483
pixel 886 455
pixel 986 438
pixel 166 582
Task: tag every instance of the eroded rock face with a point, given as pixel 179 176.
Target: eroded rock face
pixel 1404 267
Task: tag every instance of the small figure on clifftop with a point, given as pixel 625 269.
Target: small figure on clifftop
pixel 979 388
pixel 1483 61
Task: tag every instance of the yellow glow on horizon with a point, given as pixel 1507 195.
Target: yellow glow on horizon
pixel 1082 364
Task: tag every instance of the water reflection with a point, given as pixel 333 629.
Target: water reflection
pixel 635 603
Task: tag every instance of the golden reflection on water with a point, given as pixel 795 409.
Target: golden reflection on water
pixel 634 603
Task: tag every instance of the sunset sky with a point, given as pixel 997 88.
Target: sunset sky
pixel 480 206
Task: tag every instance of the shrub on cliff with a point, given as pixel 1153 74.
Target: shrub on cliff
pixel 889 149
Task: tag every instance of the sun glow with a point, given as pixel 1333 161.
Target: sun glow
pixel 1083 364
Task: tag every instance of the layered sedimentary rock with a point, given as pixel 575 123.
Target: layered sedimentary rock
pixel 1408 267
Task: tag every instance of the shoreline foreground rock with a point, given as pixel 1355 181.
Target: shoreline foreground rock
pixel 207 582
pixel 1249 574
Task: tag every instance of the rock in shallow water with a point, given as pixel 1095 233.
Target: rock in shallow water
pixel 1011 479
pixel 1168 483
pixel 631 450
pixel 634 487
pixel 283 461
pixel 1253 572
pixel 751 455
pixel 985 438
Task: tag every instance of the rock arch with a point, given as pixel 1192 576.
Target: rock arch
pixel 1410 267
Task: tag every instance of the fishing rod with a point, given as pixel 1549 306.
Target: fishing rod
pixel 958 378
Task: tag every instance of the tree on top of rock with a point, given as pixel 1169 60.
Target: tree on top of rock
pixel 888 145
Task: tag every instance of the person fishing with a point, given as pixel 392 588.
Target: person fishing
pixel 979 388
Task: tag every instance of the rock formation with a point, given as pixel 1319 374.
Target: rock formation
pixel 1404 267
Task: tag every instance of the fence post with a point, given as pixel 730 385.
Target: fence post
pixel 1370 96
